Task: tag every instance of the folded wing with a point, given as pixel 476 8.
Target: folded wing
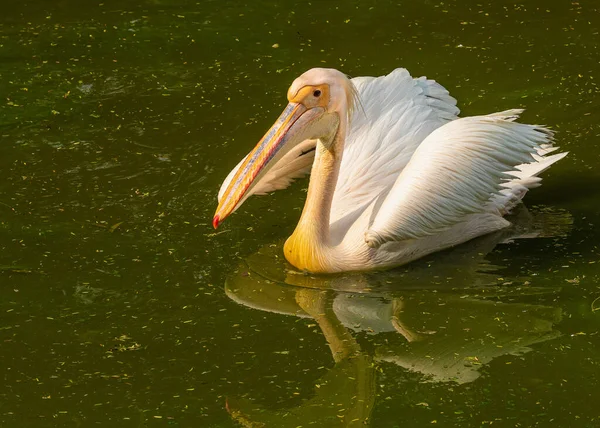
pixel 395 114
pixel 471 165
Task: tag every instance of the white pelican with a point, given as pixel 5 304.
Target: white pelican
pixel 395 173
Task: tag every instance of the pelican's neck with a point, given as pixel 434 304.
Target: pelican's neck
pixel 317 209
pixel 306 248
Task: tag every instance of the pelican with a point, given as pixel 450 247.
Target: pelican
pixel 395 173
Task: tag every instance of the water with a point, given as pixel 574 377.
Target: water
pixel 120 306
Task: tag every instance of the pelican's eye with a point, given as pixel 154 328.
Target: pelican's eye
pixel 317 94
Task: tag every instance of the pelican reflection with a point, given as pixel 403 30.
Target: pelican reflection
pixel 443 319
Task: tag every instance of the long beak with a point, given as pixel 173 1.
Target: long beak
pixel 276 142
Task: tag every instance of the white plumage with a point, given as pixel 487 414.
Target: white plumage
pixel 395 114
pixel 455 172
pixel 406 176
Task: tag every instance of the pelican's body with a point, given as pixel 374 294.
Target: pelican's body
pixel 395 173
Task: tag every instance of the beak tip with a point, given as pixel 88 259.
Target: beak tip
pixel 216 221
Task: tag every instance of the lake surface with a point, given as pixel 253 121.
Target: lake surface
pixel 120 305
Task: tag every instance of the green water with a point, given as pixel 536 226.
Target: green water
pixel 121 307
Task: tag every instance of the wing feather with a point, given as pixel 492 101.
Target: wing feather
pixel 457 171
pixel 395 114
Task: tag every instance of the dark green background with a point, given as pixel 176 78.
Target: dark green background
pixel 118 122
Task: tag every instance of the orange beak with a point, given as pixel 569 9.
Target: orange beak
pixel 267 152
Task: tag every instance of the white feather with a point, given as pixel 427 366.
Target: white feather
pixel 460 169
pixel 397 113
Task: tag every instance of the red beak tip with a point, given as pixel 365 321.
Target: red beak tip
pixel 216 220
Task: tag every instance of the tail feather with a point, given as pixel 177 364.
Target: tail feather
pixel 526 178
pixel 542 164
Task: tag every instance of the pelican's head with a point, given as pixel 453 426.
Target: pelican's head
pixel 326 87
pixel 318 101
